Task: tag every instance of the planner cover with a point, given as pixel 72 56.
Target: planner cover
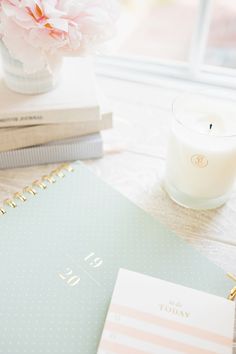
pixel 61 246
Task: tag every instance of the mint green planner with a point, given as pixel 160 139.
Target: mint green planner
pixel 60 252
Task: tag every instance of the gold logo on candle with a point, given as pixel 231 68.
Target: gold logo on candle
pixel 199 161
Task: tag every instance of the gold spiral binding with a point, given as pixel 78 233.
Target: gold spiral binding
pixel 30 190
pixel 2 211
pixel 232 295
pixel 39 184
pixel 58 172
pixel 10 203
pixel 67 167
pixel 20 196
pixel 49 179
pixel 42 183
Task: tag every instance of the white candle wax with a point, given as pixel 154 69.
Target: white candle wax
pixel 201 160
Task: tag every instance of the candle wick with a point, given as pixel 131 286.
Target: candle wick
pixel 211 125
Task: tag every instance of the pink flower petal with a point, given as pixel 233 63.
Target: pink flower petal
pixel 36 30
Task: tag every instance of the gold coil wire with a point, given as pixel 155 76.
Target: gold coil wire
pixel 67 167
pixel 39 184
pixel 20 196
pixel 49 178
pixel 232 295
pixel 10 203
pixel 32 189
pixel 58 172
pixel 2 211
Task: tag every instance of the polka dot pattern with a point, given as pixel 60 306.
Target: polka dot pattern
pixel 54 297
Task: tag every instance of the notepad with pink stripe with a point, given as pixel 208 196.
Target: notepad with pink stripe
pixel 152 316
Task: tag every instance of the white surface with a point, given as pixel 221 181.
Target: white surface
pixel 134 164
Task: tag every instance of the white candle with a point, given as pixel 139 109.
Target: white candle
pixel 201 160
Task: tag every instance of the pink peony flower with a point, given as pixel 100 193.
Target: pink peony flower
pixel 37 31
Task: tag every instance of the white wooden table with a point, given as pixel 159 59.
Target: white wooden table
pixel 134 164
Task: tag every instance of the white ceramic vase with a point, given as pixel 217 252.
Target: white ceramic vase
pixel 19 81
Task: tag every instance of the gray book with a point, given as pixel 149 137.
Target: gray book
pixel 81 148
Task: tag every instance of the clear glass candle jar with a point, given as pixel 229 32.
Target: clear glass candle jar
pixel 201 159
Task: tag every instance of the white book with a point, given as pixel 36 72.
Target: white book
pixel 75 99
pixel 80 148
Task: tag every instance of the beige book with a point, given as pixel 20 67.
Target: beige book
pixel 16 138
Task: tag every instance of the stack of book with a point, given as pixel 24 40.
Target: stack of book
pixel 62 125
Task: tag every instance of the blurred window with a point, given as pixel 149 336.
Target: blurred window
pixel 160 29
pixel 221 45
pixel 191 39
